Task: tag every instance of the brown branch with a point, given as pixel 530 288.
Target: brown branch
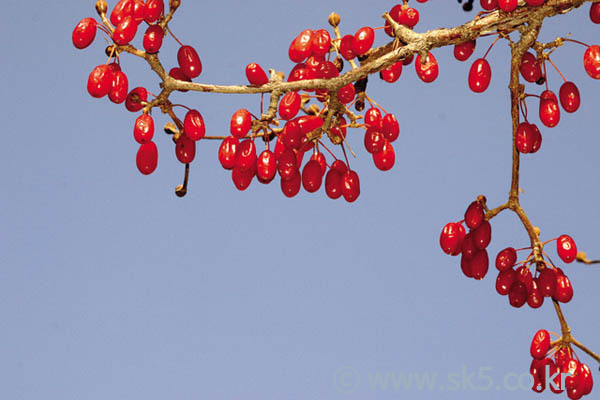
pixel 582 258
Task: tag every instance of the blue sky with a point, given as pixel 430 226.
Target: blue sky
pixel 112 287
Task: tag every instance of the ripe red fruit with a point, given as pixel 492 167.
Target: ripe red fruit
pixel 517 296
pixel 480 264
pixel 564 290
pixel 120 87
pixel 392 73
pixel 189 61
pixel 139 7
pixel 489 5
pixel 525 138
pixel 312 176
pixel 465 266
pixel 177 73
pixel 549 111
pixel 482 235
pixel 291 187
pixel 547 282
pixel 373 118
pixel 350 186
pixel 125 31
pixel 535 3
pixel 347 47
pixel 123 8
pixel 84 33
pixel 147 158
pixel 245 155
pixel 289 105
pixel 540 344
pixel 241 122
pixel 595 13
pixel 256 75
pixel 395 14
pixel 474 215
pixel 193 125
pixel 507 5
pixel 537 138
pixel 185 149
pixel 363 40
pixel 291 137
pixel 586 373
pixel 591 61
pixel 134 99
pixel 346 94
pixel 569 96
pixel 143 130
pixel 468 247
pixel 562 356
pixel 408 60
pixel 386 158
pixel 506 259
pixel 227 152
pixel 566 248
pixel 100 81
pixel 505 280
pixel 451 238
pixel 409 17
pixel 333 184
pixel 530 68
pixel 153 10
pixel 535 298
pixel 242 178
pixel 287 164
pixel 320 158
pixel 153 39
pixel 321 43
pixel 309 123
pixel 480 75
pixel 339 129
pixel 266 166
pixel 523 275
pixel 390 127
pixel 427 71
pixel 301 47
pixel 463 51
pixel 374 140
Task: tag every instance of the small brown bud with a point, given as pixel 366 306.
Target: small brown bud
pixel 180 191
pixel 101 7
pixel 537 230
pixel 334 19
pixel 359 105
pixel 170 128
pixel 314 109
pixel 174 4
pixel 339 63
pixel 110 50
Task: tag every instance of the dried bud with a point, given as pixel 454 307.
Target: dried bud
pixel 339 63
pixel 334 19
pixel 110 50
pixel 174 4
pixel 360 86
pixel 170 128
pixel 541 81
pixel 537 230
pixel 101 7
pixel 180 191
pixel 359 105
pixel 314 109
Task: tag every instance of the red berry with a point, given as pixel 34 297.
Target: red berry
pixel 312 176
pixel 507 5
pixel 392 73
pixel 408 60
pixel 390 127
pixel 266 166
pixel 287 164
pixel 480 75
pixel 586 373
pixel 84 33
pixel 189 61
pixel 241 122
pixel 143 130
pixel 153 10
pixel 489 5
pixel 363 40
pixel 482 235
pixel 139 7
pixel 429 70
pixel 153 39
pixel 120 88
pixel 374 140
pixel 505 280
pixel 595 13
pixel 339 129
pixel 451 238
pixel 529 138
pixel 468 247
pixel 242 178
pixel 291 187
pixel 463 51
pixel 535 298
pixel 289 105
pixel 465 266
pixel 309 123
pixel 227 152
pixel 347 47
pixel 474 215
pixel 245 155
pixel 540 344
pixel 564 290
pixel 100 81
pixel 193 125
pixel 321 43
pixel 346 94
pixel 517 296
pixel 386 158
pixel 134 99
pixel 537 138
pixel 125 31
pixel 480 264
pixel 333 184
pixel 185 149
pixel 506 259
pixel 373 118
pixel 547 282
pixel 256 75
pixel 395 14
pixel 535 3
pixel 291 137
pixel 409 17
pixel 566 248
pixel 530 68
pixel 123 8
pixel 549 111
pixel 301 47
pixel 147 158
pixel 569 96
pixel 524 276
pixel 350 186
pixel 591 61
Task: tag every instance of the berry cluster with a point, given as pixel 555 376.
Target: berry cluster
pixel 558 362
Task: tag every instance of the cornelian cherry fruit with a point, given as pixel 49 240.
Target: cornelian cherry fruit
pixel 291 187
pixel 153 39
pixel 350 186
pixel 266 167
pixel 595 13
pixel 227 152
pixel 549 111
pixel 569 96
pixel 591 61
pixel 474 215
pixel 505 280
pixel 256 75
pixel 189 61
pixel 390 127
pixel 451 238
pixel 134 99
pixel 241 122
pixel 540 344
pixel 125 31
pixel 507 5
pixel 245 155
pixel 566 248
pixel 193 125
pixel 289 105
pixel 146 159
pixel 489 5
pixel 363 40
pixel 84 33
pixel 347 47
pixel 530 68
pixel 120 87
pixel 185 149
pixel 122 9
pixel 312 176
pixel 386 158
pixel 374 140
pixel 428 70
pixel 301 47
pixel 392 73
pixel 480 75
pixel 463 51
pixel 100 81
pixel 242 178
pixel 153 10
pixel 143 130
pixel 321 43
pixel 506 259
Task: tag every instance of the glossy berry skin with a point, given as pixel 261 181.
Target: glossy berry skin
pixel 121 10
pixel 480 264
pixel 591 61
pixel 227 152
pixel 525 138
pixel 474 215
pixel 569 96
pixel 506 259
pixel 266 167
pixel 524 276
pixel 535 3
pixel 312 176
pixel 373 118
pixel 177 73
pixel 395 14
pixel 517 296
pixel 84 33
pixel 409 17
pixel 566 249
pixel 390 127
pixel 301 47
pixel 504 281
pixel 185 149
pixel 386 158
pixel 143 130
pixel 291 137
pixel 347 47
pixel 339 129
pixel 392 73
pixel 193 125
pixel 309 123
pixel 540 344
pixel 564 290
pixel 245 155
pixel 289 105
pixel 530 68
pixel 547 282
pixel 465 266
pixel 427 70
pixel 535 298
pixel 125 31
pixel 321 43
pixel 537 138
pixel 374 140
pixel 350 186
pixel 463 51
pixel 256 75
pixel 363 40
pixel 451 238
pixel 241 122
pixel 333 184
pixel 134 99
pixel 480 75
pixel 507 5
pixel 120 88
pixel 153 10
pixel 189 61
pixel 153 39
pixel 489 5
pixel 287 164
pixel 346 94
pixel 242 178
pixel 468 247
pixel 100 81
pixel 139 7
pixel 291 187
pixel 147 158
pixel 549 111
pixel 595 13
pixel 482 235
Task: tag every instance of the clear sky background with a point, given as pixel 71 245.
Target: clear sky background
pixel 113 288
